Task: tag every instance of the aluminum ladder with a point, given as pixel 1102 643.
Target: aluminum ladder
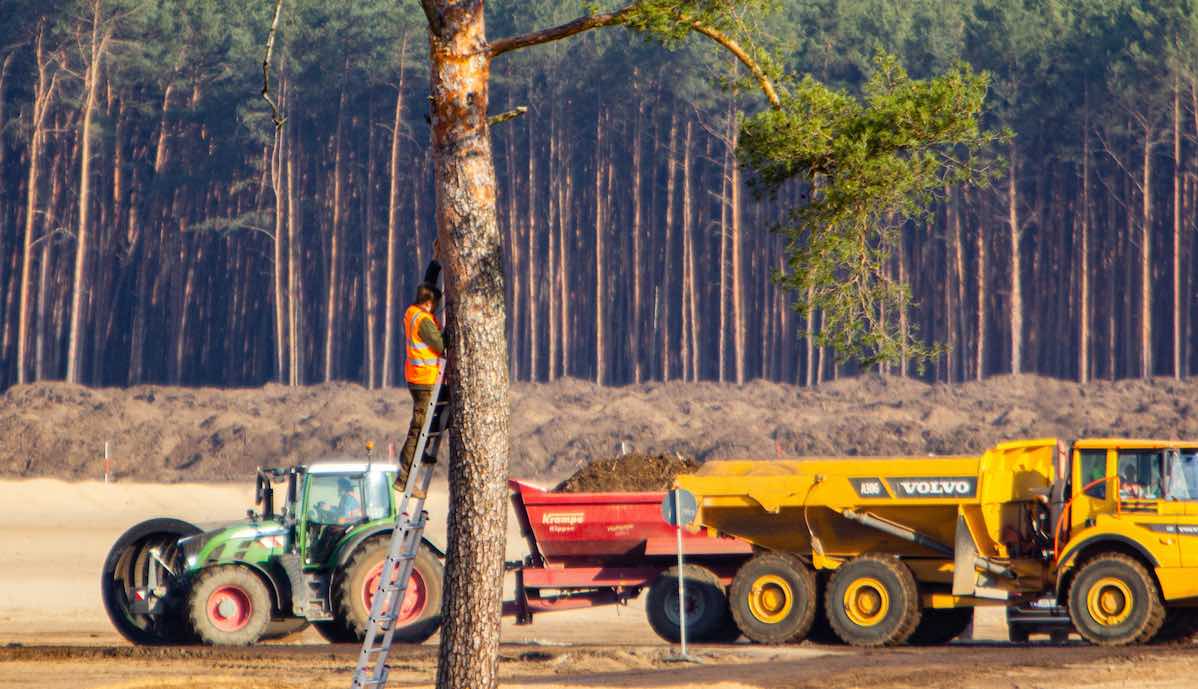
pixel 372 668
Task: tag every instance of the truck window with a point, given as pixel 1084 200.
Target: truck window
pixel 1093 467
pixel 1141 474
pixel 1181 474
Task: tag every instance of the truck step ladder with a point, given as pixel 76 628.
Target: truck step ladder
pixel 372 669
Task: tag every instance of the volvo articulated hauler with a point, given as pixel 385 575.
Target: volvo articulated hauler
pixel 890 550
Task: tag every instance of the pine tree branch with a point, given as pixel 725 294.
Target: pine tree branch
pixel 619 17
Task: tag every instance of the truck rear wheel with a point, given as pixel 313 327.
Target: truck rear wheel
pixel 706 606
pixel 1114 601
pixel 941 625
pixel 772 598
pixel 229 606
pixel 873 601
pixel 420 611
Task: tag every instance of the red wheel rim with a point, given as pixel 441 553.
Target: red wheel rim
pixel 229 608
pixel 415 597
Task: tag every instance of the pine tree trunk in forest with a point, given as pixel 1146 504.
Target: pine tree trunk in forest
pixel 1083 306
pixel 738 287
pixel 668 249
pixel 279 268
pixel 904 326
pixel 514 285
pixel 959 260
pixel 295 363
pixel 554 219
pixel 809 380
pixel 950 280
pixel 470 246
pixel 1178 192
pixel 1146 257
pixel 369 309
pixel 389 306
pixel 980 362
pixel 721 373
pixel 44 272
pixel 565 205
pixel 1016 267
pixel 637 259
pixel 43 92
pixel 688 237
pixel 600 323
pixel 333 288
pixel 83 233
pixel 531 253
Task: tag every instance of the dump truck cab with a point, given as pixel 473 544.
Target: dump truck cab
pixel 901 549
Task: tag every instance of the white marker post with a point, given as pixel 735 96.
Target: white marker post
pixel 681 577
pixel 107 463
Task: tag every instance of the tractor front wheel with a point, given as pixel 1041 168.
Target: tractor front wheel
pixel 229 606
pixel 1114 601
pixel 420 610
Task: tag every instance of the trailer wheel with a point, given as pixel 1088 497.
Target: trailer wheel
pixel 1115 602
pixel 941 625
pixel 773 598
pixel 420 612
pixel 872 601
pixel 229 606
pixel 706 606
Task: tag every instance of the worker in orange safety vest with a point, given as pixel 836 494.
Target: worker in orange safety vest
pixel 425 346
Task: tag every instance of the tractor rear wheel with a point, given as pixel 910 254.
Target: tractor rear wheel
pixel 772 598
pixel 941 625
pixel 1114 601
pixel 229 606
pixel 873 601
pixel 706 605
pixel 420 611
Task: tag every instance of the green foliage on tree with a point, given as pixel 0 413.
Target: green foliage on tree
pixel 872 164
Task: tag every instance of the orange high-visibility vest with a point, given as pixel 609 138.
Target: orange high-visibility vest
pixel 420 365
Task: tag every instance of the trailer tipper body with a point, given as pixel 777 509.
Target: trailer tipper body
pixel 879 547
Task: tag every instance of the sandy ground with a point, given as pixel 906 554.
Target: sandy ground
pixel 54 634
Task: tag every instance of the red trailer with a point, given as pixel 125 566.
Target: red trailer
pixel 588 549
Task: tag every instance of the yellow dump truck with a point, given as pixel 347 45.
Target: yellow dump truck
pixel 887 551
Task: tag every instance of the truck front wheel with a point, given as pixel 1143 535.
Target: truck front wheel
pixel 1114 601
pixel 772 598
pixel 229 606
pixel 420 611
pixel 873 601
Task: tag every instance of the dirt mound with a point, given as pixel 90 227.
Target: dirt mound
pixel 633 472
pixel 175 434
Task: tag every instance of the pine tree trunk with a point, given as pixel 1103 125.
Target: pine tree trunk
pixel 515 303
pixel 721 374
pixel 1083 307
pixel 470 247
pixel 554 218
pixel 668 249
pixel 688 236
pixel 1146 257
pixel 369 308
pixel 637 259
pixel 1016 267
pixel 389 306
pixel 600 269
pixel 565 206
pixel 980 362
pixel 83 233
pixel 333 288
pixel 279 268
pixel 1177 325
pixel 531 271
pixel 738 287
pixel 42 94
pixel 294 230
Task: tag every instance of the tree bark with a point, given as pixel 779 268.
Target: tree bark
pixel 600 268
pixel 471 249
pixel 738 287
pixel 689 257
pixel 667 249
pixel 279 269
pixel 531 271
pixel 333 288
pixel 1146 256
pixel 980 361
pixel 637 259
pixel 1177 325
pixel 1016 266
pixel 1083 306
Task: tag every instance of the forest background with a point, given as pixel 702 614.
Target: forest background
pixel 153 227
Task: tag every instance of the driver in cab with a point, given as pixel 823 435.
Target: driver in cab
pixel 349 507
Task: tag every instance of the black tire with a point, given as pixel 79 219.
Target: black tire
pixel 1018 634
pixel 353 611
pixel 821 631
pixel 772 598
pixel 229 605
pixel 125 569
pixel 706 609
pixel 1114 601
pixel 882 581
pixel 939 626
pixel 334 632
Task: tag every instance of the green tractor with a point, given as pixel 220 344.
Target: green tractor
pixel 316 560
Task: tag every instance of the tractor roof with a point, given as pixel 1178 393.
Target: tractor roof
pixel 335 467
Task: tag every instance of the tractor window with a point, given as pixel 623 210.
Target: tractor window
pixel 378 495
pixel 1093 468
pixel 335 499
pixel 1140 474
